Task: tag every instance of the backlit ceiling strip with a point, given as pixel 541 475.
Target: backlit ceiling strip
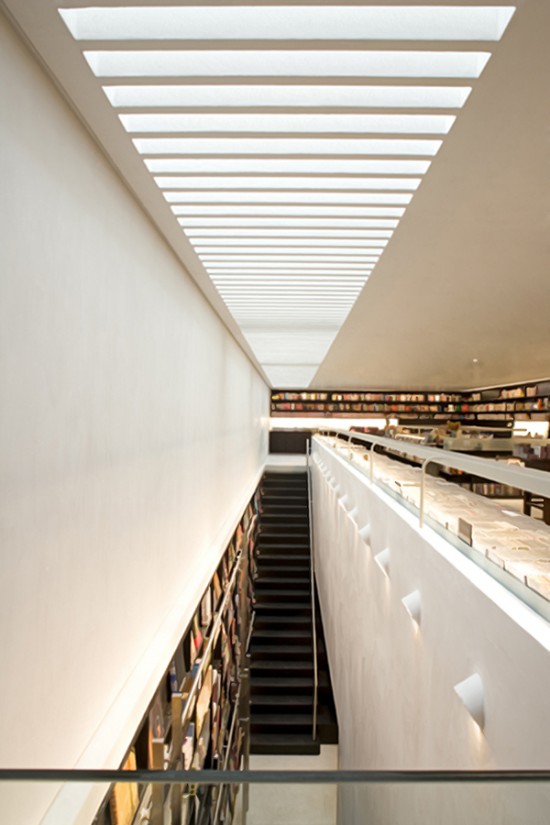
pixel 288 163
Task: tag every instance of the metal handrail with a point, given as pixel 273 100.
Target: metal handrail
pixel 263 777
pixel 312 580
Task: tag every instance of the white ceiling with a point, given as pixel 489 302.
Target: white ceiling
pixel 305 161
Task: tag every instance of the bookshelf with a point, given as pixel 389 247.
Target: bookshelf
pixel 196 718
pixel 497 405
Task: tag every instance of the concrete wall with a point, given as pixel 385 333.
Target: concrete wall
pixel 132 432
pixel 393 683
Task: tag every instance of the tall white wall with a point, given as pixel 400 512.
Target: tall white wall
pixel 132 432
pixel 393 684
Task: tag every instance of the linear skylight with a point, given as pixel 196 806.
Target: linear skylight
pixel 405 124
pixel 286 63
pixel 277 166
pixel 295 235
pixel 244 280
pixel 330 223
pixel 287 139
pixel 289 296
pixel 283 269
pixel 298 250
pixel 333 96
pixel 289 23
pixel 285 146
pixel 222 260
pixel 394 198
pixel 298 245
pixel 222 183
pixel 289 280
pixel 231 209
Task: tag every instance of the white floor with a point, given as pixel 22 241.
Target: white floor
pixel 291 804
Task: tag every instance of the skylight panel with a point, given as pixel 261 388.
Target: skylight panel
pixel 267 234
pixel 276 166
pixel 285 63
pixel 289 23
pixel 334 96
pixel 220 184
pixel 393 198
pixel 298 250
pixel 311 222
pixel 284 269
pixel 288 280
pixel 405 124
pixel 222 260
pixel 230 210
pixel 285 146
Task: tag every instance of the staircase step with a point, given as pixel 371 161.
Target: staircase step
pixel 259 650
pixel 281 668
pixel 302 594
pixel 272 563
pixel 282 719
pixel 281 620
pixel 277 635
pixel 278 544
pixel 283 744
pixel 290 579
pixel 284 701
pixel 273 609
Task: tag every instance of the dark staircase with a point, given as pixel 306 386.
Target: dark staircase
pixel 281 648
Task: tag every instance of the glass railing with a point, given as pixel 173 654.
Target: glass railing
pixel 275 797
pixel 441 488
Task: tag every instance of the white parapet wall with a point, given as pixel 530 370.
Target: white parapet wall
pixel 434 664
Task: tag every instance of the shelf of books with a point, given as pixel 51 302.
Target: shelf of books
pixel 501 404
pixel 194 721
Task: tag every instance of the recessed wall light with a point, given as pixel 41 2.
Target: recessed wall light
pixel 472 693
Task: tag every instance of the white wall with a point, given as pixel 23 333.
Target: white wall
pixel 393 684
pixel 132 432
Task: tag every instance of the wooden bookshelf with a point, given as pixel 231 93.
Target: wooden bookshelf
pixel 195 719
pixel 499 405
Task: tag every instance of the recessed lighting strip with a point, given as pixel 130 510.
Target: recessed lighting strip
pixel 334 96
pixel 207 22
pixel 252 183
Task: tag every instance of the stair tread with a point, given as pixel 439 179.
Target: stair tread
pixel 283 700
pixel 267 559
pixel 279 666
pixel 290 719
pixel 282 681
pixel 276 634
pixel 305 649
pixel 286 619
pixel 282 579
pixel 280 737
pixel 287 591
pixel 286 607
